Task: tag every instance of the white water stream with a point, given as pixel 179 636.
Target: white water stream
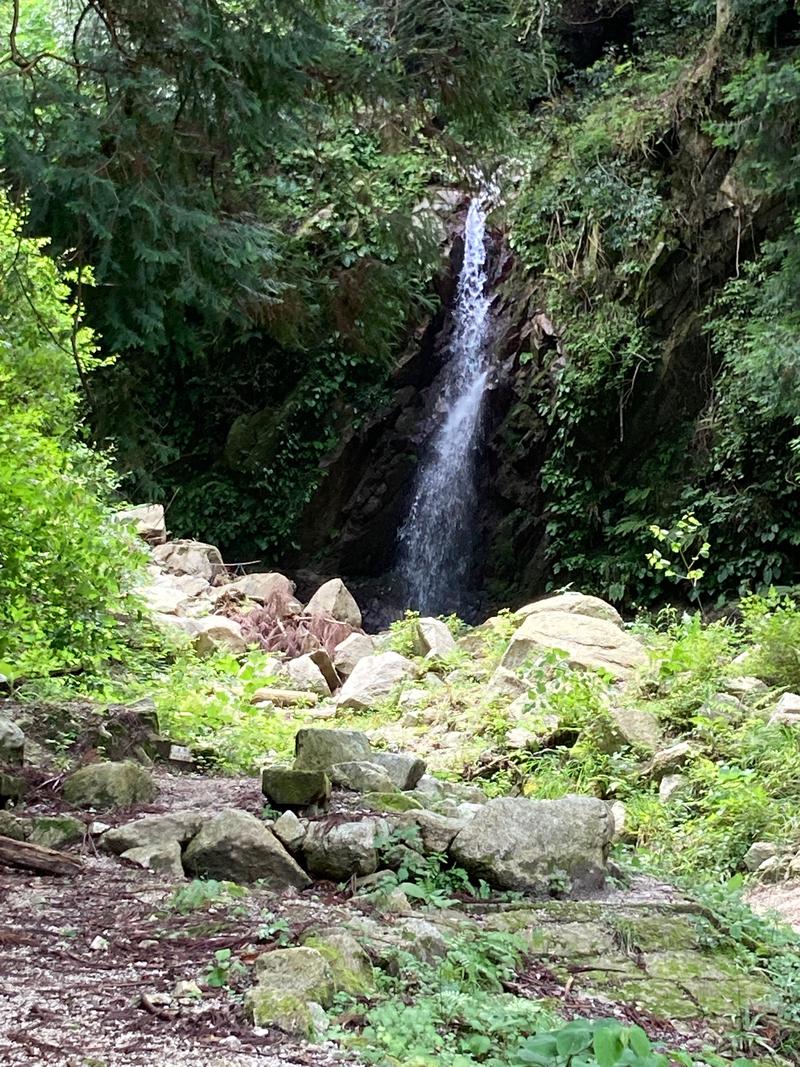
pixel 437 539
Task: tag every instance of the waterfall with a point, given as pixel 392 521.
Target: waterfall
pixel 436 541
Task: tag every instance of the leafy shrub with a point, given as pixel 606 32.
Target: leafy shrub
pixel 64 565
pixel 773 623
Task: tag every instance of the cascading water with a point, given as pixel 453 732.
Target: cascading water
pixel 436 540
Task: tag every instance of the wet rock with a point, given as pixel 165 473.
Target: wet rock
pixel 284 698
pixel 573 603
pixel 402 768
pixel 12 742
pixel 361 777
pixel 349 652
pixel 56 831
pixel 528 844
pixel 149 522
pixel 305 674
pixel 587 642
pixel 375 679
pixel 317 748
pixel 163 857
pixel 334 601
pixel 287 787
pixel 152 830
pixel 217 632
pixel 190 557
pixel 432 637
pixel 110 785
pixel 236 846
pixel 340 851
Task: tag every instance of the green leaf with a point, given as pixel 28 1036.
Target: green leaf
pixel 607 1045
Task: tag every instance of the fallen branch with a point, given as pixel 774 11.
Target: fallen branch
pixel 27 857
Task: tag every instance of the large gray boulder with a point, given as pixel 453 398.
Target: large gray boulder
pixel 292 983
pixel 575 604
pixel 318 748
pixel 12 742
pixel 587 642
pixel 335 601
pixel 361 777
pixel 340 851
pixel 305 673
pixel 347 653
pixel 235 846
pixel 154 830
pixel 264 587
pixel 163 857
pixel 110 785
pixel 514 843
pixel 190 557
pixel 374 680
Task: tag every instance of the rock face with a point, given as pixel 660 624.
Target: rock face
pixel 374 679
pixel 347 653
pixel 286 787
pixel 574 603
pixel 338 852
pixel 433 638
pixel 12 742
pixel 235 846
pixel 109 785
pixel 334 601
pixel 150 522
pixel 318 748
pixel 587 641
pixel 217 631
pixel 190 557
pixel 532 844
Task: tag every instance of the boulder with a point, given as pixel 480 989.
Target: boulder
pixel 787 711
pixel 349 964
pixel 289 831
pixel 14 827
pixel 291 982
pixel 586 640
pixel 284 698
pixel 149 522
pixel 263 587
pixel 217 632
pixel 287 787
pixel 181 826
pixel 745 687
pixel 758 854
pixel 340 851
pixel 305 674
pixel 515 843
pixel 374 680
pixel 361 777
pixel 190 557
pixel 347 653
pixel 392 801
pixel 670 759
pixel 164 598
pixel 671 784
pixel 56 831
pixel 505 685
pixel 12 742
pixel 163 857
pixel 432 637
pixel 404 769
pixel 635 728
pixel 436 832
pixel 573 603
pixel 12 788
pixel 110 785
pixel 334 601
pixel 236 846
pixel 317 748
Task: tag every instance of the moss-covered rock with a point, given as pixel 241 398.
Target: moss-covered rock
pixel 270 1007
pixel 13 826
pixel 349 964
pixel 391 802
pixel 290 982
pixel 287 787
pixel 110 785
pixel 56 831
